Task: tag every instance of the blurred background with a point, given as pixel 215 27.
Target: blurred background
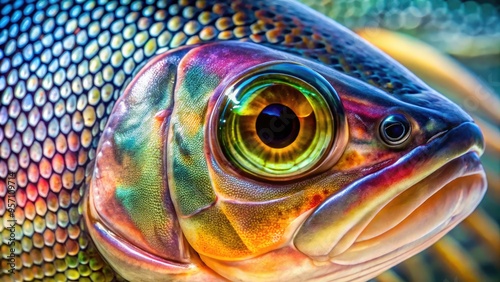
pixel 459 44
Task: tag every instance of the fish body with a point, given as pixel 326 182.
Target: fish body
pixel 132 146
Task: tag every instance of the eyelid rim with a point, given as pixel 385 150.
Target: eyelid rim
pixel 317 81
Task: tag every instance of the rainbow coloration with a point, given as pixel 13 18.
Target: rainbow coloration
pixel 247 227
pixel 139 181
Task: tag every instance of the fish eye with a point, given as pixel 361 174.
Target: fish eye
pixel 280 122
pixel 395 129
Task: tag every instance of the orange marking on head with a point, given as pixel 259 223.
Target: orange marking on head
pixel 351 159
pixel 316 200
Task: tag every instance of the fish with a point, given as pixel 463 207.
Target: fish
pixel 218 140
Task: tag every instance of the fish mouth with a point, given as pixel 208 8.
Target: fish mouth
pixel 396 212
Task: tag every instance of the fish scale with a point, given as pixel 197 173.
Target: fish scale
pixel 63 64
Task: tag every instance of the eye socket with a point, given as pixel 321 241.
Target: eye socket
pixel 280 121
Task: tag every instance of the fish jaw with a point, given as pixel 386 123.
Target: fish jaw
pixel 392 214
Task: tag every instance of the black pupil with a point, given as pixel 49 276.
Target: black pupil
pixel 395 130
pixel 277 126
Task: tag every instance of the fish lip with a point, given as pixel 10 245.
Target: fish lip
pixel 452 174
pixel 432 227
pixel 320 236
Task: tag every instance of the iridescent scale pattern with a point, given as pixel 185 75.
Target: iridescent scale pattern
pixel 63 64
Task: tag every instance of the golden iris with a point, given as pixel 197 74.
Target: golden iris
pixel 275 125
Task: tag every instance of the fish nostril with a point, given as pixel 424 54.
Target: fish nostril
pixel 395 130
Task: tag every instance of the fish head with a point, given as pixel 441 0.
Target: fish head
pixel 233 160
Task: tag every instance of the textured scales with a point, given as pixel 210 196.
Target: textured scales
pixel 63 64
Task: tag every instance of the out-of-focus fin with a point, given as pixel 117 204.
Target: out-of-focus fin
pixel 491 134
pixel 389 276
pixel 486 228
pixel 414 266
pixel 456 259
pixel 493 182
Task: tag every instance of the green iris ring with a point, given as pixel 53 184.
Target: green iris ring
pixel 245 155
pixel 238 96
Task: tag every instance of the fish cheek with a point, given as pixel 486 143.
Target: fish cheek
pixel 238 229
pixel 265 226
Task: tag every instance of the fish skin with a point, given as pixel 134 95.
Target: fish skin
pixel 64 64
